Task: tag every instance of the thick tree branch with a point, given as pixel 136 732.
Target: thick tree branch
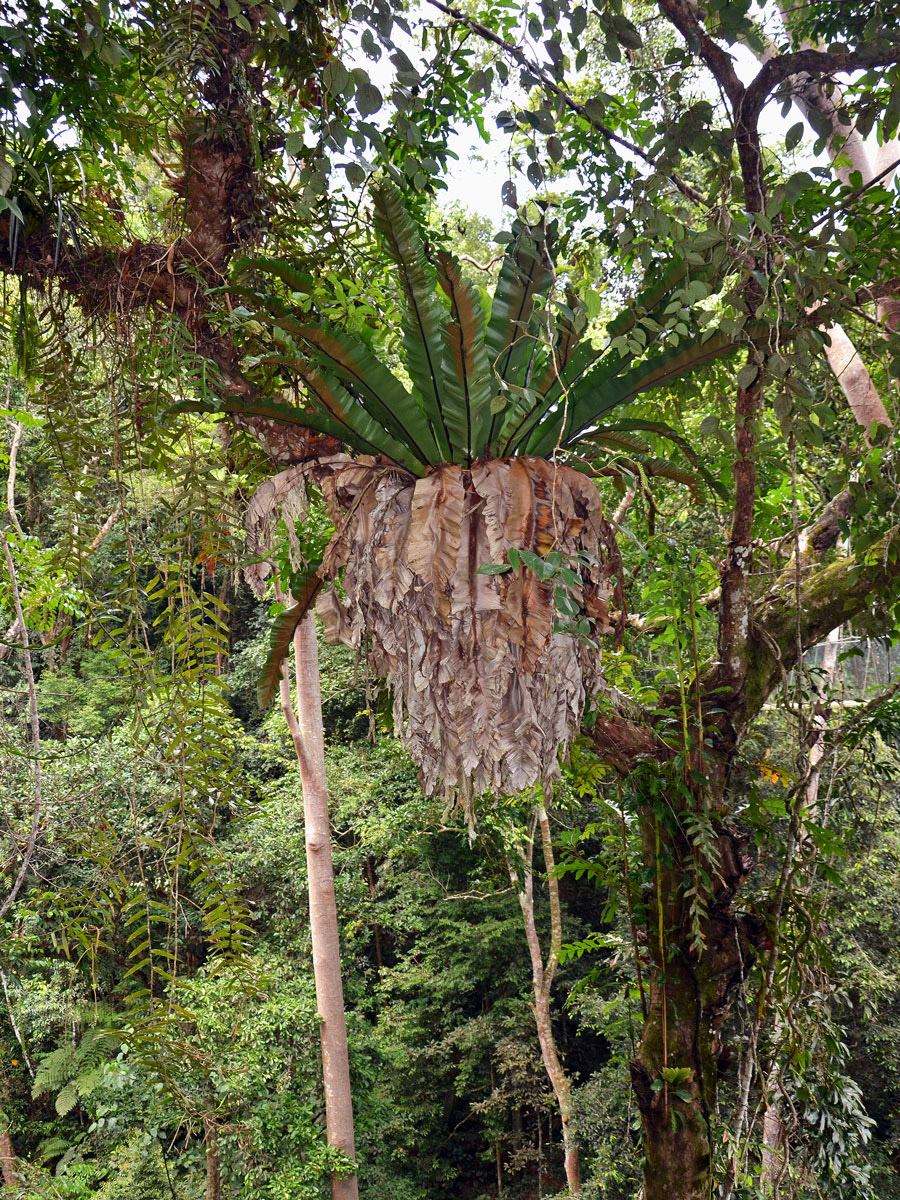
pixel 829 595
pixel 856 382
pixel 686 18
pixel 734 602
pixel 222 198
pixel 117 281
pixel 827 314
pixel 619 742
pixel 812 62
pixel 734 587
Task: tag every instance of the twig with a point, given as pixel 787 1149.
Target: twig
pixel 569 101
pixel 15 1027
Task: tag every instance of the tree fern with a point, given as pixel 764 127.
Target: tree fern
pixel 74 1071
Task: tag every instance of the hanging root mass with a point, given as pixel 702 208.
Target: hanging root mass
pixel 487 687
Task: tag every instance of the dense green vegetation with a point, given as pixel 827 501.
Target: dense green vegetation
pixel 600 497
pixel 113 1055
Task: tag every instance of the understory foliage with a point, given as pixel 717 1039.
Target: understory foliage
pixel 447 1074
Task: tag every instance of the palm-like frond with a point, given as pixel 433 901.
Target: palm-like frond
pixel 584 382
pixel 663 430
pixel 525 276
pixel 425 320
pixel 468 379
pixel 521 382
pixel 612 383
pixel 627 455
pixel 371 384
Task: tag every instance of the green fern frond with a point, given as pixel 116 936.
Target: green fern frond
pixel 67 1099
pixel 53 1071
pixel 52 1147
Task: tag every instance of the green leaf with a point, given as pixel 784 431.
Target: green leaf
pixel 797 184
pixel 424 324
pixel 67 1099
pixel 524 276
pixel 468 384
pixel 747 375
pixel 296 280
pixel 566 603
pixel 793 136
pixel 343 425
pixel 369 382
pixel 353 423
pixel 356 176
pixel 335 77
pixel 590 367
pixel 600 391
pixel 281 633
pixel 368 99
pixel 532 561
pixel 676 1074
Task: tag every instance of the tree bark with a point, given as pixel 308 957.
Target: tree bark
pixel 308 737
pixel 774 1152
pixel 542 979
pixel 8 1162
pixel 675 1071
pixel 213 1164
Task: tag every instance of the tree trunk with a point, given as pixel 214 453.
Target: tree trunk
pixel 674 1073
pixel 774 1152
pixel 8 1170
pixel 675 1039
pixel 213 1165
pixel 542 977
pixel 562 1090
pixel 309 742
pixel 675 1141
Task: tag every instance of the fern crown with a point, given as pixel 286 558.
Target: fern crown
pixel 517 381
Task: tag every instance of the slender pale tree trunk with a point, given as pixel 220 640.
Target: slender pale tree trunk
pixel 309 742
pixel 849 155
pixel 34 718
pixel 542 977
pixel 774 1151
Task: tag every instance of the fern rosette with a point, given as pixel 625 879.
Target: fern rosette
pixel 473 560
